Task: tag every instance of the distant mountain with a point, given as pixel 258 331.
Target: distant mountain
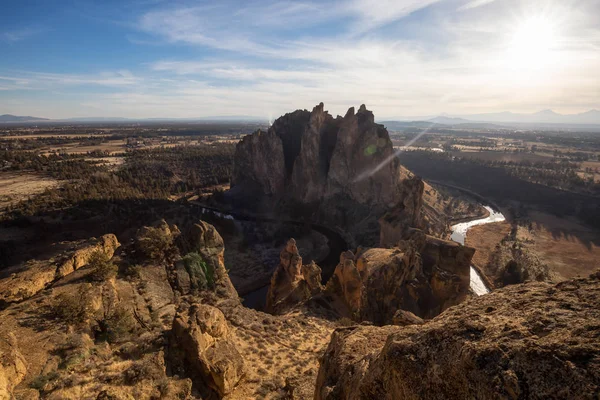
pixel 17 118
pixel 591 117
pixel 449 120
pixel 96 119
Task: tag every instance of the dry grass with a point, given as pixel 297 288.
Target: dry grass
pixel 484 239
pixel 17 186
pixel 568 247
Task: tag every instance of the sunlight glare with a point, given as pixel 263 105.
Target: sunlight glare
pixel 533 43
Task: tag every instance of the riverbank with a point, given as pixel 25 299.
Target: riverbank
pixel 459 234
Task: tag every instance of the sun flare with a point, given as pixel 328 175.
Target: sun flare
pixel 533 43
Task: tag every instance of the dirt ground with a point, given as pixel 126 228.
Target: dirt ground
pixel 568 247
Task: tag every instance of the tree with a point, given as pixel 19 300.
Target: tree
pixel 102 267
pixel 201 274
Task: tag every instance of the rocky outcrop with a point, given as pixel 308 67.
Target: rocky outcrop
pixel 528 341
pixel 339 171
pixel 12 366
pixel 292 283
pixel 424 276
pixel 201 336
pixel 259 164
pixel 206 241
pixel 24 281
pixel 107 244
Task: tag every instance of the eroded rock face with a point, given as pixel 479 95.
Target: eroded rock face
pixel 339 171
pixel 292 283
pixel 259 163
pixel 424 276
pixel 30 278
pixel 528 341
pixel 12 366
pixel 201 335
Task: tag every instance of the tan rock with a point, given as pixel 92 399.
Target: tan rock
pixel 425 276
pixel 527 341
pixel 12 366
pixel 107 244
pixel 201 334
pixel 292 283
pixel 30 278
pixel 204 239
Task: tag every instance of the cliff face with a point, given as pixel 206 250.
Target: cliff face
pixel 259 164
pixel 529 341
pixel 338 171
pixel 424 276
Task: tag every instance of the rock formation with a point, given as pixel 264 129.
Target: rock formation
pixel 424 276
pixel 24 281
pixel 528 341
pixel 205 240
pixel 340 172
pixel 259 163
pixel 201 335
pixel 292 283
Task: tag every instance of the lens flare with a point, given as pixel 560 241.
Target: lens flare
pixel 365 174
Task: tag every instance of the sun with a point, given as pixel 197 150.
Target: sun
pixel 533 43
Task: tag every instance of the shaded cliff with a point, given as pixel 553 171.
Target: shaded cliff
pixel 338 171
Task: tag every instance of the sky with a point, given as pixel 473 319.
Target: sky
pixel 189 59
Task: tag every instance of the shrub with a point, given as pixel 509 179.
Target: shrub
pixel 102 267
pixel 114 326
pixel 72 308
pixel 201 274
pixel 155 243
pixel 40 381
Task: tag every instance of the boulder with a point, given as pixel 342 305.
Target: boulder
pixel 201 335
pixel 404 318
pixel 527 341
pixel 292 283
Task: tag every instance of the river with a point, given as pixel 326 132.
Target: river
pixel 337 245
pixel 459 233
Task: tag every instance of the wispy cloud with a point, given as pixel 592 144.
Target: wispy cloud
pixel 32 80
pixel 18 35
pixel 400 57
pixel 474 4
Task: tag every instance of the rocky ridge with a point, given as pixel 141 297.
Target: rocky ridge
pixel 148 333
pixel 528 341
pixel 24 281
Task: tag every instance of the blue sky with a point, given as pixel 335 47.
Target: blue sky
pixel 153 58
